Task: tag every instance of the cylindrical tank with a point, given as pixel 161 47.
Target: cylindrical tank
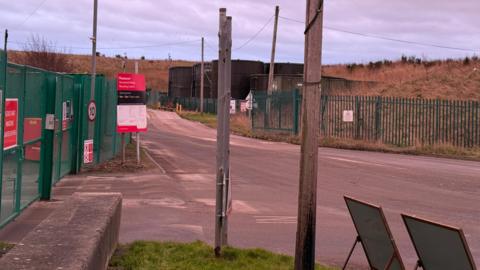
pixel 241 72
pixel 259 82
pixel 285 68
pixel 180 81
pixel 196 80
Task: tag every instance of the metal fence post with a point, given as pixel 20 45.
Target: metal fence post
pixel 357 118
pixel 378 118
pixel 47 158
pixel 295 111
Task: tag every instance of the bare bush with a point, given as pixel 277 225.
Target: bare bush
pixel 41 53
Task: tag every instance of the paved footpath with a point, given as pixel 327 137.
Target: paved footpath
pixel 176 202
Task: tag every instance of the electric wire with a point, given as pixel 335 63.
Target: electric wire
pixel 386 38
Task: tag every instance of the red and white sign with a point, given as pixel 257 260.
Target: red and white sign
pixel 131 108
pixel 92 110
pixel 11 123
pixel 131 82
pixel 88 151
pixel 131 118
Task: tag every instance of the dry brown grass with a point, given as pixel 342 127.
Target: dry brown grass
pixel 156 71
pixel 448 79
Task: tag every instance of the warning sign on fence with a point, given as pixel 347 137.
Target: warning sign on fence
pixel 11 123
pixel 88 151
pixel 348 116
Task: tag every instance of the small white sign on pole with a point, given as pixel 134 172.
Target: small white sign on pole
pixel 249 100
pixel 348 116
pixel 233 105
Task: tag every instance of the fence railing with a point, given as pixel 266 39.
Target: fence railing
pixel 389 120
pixel 44 126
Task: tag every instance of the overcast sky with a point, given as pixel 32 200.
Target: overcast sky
pixel 174 27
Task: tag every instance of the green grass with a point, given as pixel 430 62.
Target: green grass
pixel 197 255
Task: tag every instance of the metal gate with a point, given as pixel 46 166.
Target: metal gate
pixel 23 139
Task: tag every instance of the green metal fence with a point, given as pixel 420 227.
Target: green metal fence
pixel 36 157
pixel 190 103
pixel 390 120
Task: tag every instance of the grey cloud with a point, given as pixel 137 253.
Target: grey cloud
pixel 126 23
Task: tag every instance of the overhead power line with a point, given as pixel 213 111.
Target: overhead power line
pixel 387 38
pixel 30 15
pixel 255 35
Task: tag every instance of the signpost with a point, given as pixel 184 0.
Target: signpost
pixel 131 106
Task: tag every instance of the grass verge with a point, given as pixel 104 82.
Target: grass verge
pixel 197 255
pixel 115 164
pixel 5 247
pixel 240 125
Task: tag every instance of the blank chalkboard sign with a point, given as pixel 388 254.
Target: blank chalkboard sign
pixel 438 246
pixel 374 235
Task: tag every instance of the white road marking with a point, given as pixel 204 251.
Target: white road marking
pixel 357 162
pixel 275 219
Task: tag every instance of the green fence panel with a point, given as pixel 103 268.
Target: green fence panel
pixel 391 120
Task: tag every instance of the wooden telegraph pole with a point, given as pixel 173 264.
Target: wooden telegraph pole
pixel 272 56
pixel 307 197
pixel 202 74
pixel 223 131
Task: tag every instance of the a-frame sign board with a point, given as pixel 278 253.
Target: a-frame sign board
pixel 438 246
pixel 374 235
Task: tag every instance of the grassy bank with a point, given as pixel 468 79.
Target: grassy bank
pixel 197 255
pixel 240 125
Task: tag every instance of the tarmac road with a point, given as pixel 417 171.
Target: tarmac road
pixel 176 202
pixel 265 189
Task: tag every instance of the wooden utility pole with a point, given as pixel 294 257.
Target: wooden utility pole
pixel 223 131
pixel 272 56
pixel 307 197
pixel 202 75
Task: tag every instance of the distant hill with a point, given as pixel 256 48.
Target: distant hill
pixel 408 77
pixel 156 71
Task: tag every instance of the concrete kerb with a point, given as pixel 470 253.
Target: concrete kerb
pixel 82 234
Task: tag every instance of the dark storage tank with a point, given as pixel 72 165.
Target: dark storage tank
pixel 180 81
pixel 207 80
pixel 259 82
pixel 241 72
pixel 285 68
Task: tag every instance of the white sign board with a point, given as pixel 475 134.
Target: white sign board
pixel 131 118
pixel 348 116
pixel 243 106
pixel 233 105
pixel 249 101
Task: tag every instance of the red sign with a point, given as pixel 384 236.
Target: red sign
pixel 11 123
pixel 131 82
pixel 32 129
pixel 88 151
